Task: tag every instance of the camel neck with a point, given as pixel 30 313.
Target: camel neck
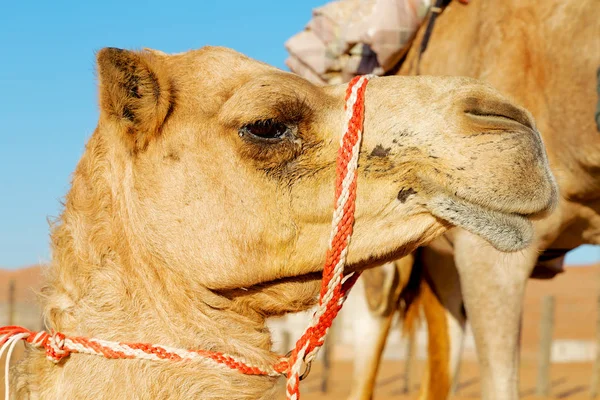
pixel 148 308
pixel 140 304
pixel 105 283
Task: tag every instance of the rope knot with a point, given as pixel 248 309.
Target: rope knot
pixel 55 348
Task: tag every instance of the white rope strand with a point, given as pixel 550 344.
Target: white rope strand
pixel 10 345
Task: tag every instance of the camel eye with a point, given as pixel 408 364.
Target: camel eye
pixel 267 130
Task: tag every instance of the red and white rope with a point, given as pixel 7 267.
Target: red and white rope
pixel 333 290
pixel 334 286
pixel 59 346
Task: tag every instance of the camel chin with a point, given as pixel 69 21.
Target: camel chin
pixel 507 232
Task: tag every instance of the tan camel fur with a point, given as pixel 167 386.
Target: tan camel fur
pixel 545 55
pixel 202 206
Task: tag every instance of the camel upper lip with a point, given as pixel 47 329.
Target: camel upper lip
pixel 493 208
pixel 536 215
pixel 530 209
pixel 498 110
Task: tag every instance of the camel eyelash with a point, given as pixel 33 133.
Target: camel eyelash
pixel 290 111
pixel 276 138
pixel 268 130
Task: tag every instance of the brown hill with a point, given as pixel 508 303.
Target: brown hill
pixel 27 282
pixel 576 292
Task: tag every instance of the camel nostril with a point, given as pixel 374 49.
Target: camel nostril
pixel 497 116
pixel 497 110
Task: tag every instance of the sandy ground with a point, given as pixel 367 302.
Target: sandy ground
pixel 568 381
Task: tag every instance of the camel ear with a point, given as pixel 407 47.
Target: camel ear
pixel 135 91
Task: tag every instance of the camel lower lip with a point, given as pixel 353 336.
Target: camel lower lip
pixel 507 232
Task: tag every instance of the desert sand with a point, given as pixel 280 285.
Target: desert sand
pixel 576 292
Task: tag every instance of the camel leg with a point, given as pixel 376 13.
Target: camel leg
pixel 382 292
pixel 493 286
pixel 442 303
pixel 371 327
pixel 372 335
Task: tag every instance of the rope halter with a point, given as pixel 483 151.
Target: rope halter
pixel 334 286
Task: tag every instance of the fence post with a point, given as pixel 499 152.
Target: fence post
pixel 327 350
pixel 546 328
pixel 408 362
pixel 286 341
pixel 11 302
pixel 595 384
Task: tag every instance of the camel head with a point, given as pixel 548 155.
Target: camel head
pixel 222 168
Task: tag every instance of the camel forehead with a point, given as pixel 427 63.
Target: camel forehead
pixel 220 71
pixel 218 65
pixel 215 56
pixel 217 73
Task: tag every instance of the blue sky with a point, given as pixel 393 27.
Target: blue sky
pixel 48 102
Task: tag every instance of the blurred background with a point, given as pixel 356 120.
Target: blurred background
pixel 48 109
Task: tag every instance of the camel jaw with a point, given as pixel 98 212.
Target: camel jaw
pixel 507 232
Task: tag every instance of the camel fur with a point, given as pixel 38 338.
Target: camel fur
pixel 203 202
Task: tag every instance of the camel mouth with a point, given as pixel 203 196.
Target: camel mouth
pixel 506 231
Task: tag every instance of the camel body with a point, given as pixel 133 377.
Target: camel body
pixel 545 56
